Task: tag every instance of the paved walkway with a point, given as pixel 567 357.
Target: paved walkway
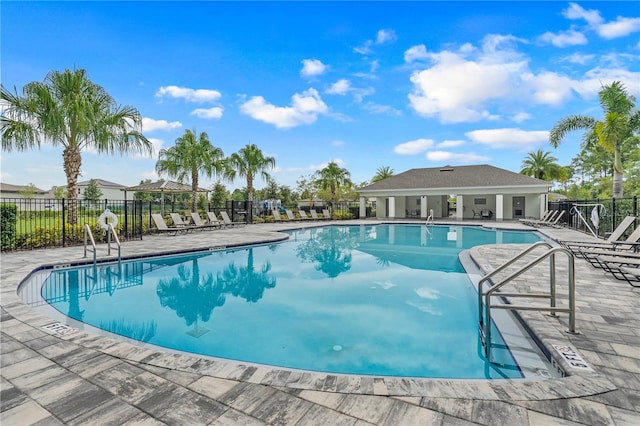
pixel 88 378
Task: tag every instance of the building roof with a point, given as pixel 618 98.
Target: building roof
pixel 162 186
pixel 446 177
pixel 7 187
pixel 101 182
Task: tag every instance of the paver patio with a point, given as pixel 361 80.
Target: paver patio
pixel 87 378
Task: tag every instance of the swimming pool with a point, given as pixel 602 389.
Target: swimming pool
pixel 375 300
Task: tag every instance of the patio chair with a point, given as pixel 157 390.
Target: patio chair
pixel 622 268
pixel 213 219
pixel 199 223
pixel 615 235
pixel 290 215
pixel 326 214
pixel 179 223
pixel 544 217
pixel 486 214
pixel 303 215
pixel 314 215
pixel 227 220
pixel 277 217
pixel 631 244
pixel 162 226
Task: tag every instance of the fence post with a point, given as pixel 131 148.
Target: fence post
pixel 64 222
pixel 613 214
pixel 635 205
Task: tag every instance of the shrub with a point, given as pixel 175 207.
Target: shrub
pixel 341 215
pixel 8 218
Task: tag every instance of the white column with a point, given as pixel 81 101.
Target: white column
pixel 363 208
pixel 543 204
pixel 423 207
pixel 392 207
pixel 499 207
pixel 459 208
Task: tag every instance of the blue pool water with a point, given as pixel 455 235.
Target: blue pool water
pixel 375 300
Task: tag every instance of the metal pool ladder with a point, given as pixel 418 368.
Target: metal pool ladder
pixel 485 303
pixel 88 237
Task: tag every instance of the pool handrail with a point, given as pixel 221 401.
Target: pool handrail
pixel 485 314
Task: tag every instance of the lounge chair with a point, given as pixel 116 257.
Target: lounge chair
pixel 611 243
pixel 303 215
pixel 227 220
pixel 199 223
pixel 178 222
pixel 615 235
pixel 213 219
pixel 545 220
pixel 161 225
pixel 326 214
pixel 545 216
pixel 623 268
pixel 276 216
pixel 290 215
pixel 314 215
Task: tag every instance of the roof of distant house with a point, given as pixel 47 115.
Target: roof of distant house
pixel 101 182
pixel 454 177
pixel 7 187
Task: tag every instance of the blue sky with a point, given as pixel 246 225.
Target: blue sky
pixel 365 84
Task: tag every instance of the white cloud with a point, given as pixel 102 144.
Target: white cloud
pixel 578 58
pixel 208 113
pixel 413 147
pixel 149 124
pixel 190 95
pixel 381 109
pixel 455 89
pixel 415 53
pixel 337 143
pixel 549 88
pixel 306 107
pixel 385 36
pixel 564 38
pixel 509 138
pixel 621 27
pixel 521 116
pixel 150 175
pixel 575 11
pixel 450 144
pixel 449 157
pixel 340 87
pixel 312 67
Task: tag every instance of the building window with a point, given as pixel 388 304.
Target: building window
pixel 480 201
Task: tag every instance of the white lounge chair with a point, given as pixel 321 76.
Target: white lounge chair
pixel 326 214
pixel 227 220
pixel 290 215
pixel 199 223
pixel 617 233
pixel 303 215
pixel 162 226
pixel 213 219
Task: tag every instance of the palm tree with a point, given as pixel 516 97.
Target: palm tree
pixel 542 165
pixel 332 177
pixel 620 124
pixel 188 157
pixel 69 110
pixel 382 173
pixel 248 163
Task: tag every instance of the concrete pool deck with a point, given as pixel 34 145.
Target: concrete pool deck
pixel 88 378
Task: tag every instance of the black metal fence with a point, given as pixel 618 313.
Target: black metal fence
pixel 583 215
pixel 37 223
pixel 27 224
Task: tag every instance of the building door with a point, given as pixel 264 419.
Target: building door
pixel 518 207
pixel 386 207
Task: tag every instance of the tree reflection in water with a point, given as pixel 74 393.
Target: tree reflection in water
pixel 191 296
pixel 330 249
pixel 246 281
pixel 194 298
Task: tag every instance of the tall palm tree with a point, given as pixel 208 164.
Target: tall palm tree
pixel 67 109
pixel 382 173
pixel 542 165
pixel 248 163
pixel 620 124
pixel 190 156
pixel 333 177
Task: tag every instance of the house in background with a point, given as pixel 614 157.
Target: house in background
pixel 110 190
pixel 8 190
pixel 481 192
